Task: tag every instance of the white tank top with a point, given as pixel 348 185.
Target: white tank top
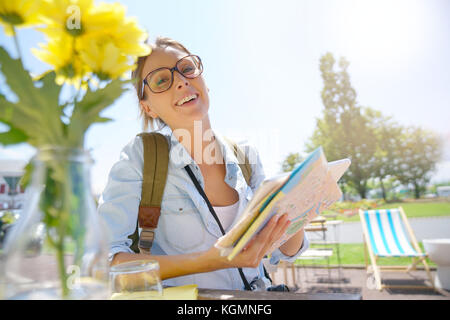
pixel 227 214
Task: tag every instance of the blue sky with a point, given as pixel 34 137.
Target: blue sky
pixel 261 63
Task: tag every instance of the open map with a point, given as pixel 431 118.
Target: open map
pixel 303 193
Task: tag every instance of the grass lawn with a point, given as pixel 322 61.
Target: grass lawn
pixel 353 254
pixel 412 210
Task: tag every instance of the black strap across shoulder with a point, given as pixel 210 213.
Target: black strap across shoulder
pixel 211 209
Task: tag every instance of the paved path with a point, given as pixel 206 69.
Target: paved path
pixel 354 281
pixel 424 228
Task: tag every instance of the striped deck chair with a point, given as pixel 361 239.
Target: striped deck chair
pixel 387 233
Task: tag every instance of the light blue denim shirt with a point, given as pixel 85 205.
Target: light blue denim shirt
pixel 186 224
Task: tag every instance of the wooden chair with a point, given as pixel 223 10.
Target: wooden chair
pixel 387 233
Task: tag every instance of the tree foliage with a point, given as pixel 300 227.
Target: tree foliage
pixel 378 146
pixel 388 147
pixel 291 161
pixel 420 152
pixel 344 131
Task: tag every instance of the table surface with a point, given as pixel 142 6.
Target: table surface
pixel 214 294
pixel 334 222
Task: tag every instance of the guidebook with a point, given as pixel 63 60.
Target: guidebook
pixel 303 194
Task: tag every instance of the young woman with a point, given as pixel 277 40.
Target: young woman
pixel 173 93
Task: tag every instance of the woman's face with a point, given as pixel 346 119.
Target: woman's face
pixel 165 104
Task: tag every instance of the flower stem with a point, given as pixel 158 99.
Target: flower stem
pixel 56 207
pixel 16 42
pixel 61 267
pixel 63 227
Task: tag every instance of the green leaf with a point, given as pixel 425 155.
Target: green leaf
pixel 12 116
pixel 86 112
pixel 49 94
pixel 13 136
pixel 6 110
pixel 17 78
pixel 37 112
pixel 26 178
pixel 103 119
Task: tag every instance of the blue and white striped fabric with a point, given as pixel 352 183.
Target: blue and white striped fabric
pixel 387 234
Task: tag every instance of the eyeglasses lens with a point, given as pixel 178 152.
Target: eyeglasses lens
pixel 190 67
pixel 160 81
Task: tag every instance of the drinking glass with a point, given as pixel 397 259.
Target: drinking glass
pixel 136 280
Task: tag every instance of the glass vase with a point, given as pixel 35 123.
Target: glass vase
pixel 58 249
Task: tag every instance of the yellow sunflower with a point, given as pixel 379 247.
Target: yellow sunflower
pixel 66 16
pixel 110 20
pixel 18 13
pixel 105 59
pixel 60 53
pixel 101 37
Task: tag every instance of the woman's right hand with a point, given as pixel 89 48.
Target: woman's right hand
pixel 252 254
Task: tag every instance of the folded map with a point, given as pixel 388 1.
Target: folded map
pixel 303 194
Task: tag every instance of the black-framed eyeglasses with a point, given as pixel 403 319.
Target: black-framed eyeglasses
pixel 161 79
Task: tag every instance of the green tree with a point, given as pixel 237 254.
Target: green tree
pixel 291 161
pixel 344 131
pixel 420 151
pixel 387 154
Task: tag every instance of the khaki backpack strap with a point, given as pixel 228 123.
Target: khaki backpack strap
pixel 242 159
pixel 156 162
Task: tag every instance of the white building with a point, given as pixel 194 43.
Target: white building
pixel 443 191
pixel 11 194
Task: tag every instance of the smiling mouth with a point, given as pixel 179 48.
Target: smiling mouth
pixel 187 100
